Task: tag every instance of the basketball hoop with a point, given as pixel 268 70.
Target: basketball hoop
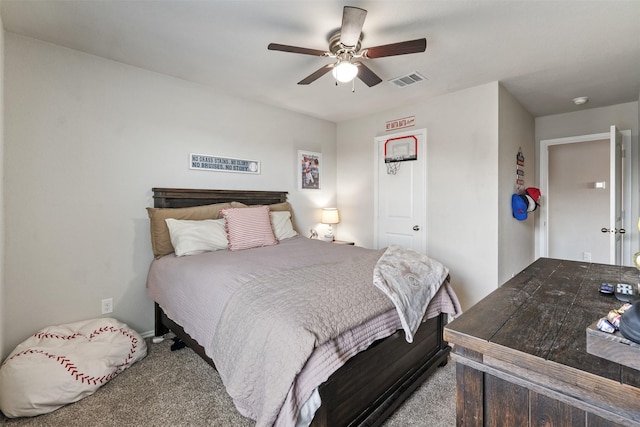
pixel 401 149
pixel 397 150
pixel 393 168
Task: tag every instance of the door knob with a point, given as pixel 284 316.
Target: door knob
pixel 608 230
pixel 416 228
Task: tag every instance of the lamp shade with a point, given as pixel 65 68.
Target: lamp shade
pixel 330 216
pixel 345 71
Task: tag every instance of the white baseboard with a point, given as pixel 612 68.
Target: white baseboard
pixel 148 334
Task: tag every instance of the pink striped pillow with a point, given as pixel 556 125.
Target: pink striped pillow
pixel 248 227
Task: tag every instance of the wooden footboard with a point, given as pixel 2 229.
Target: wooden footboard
pixel 372 384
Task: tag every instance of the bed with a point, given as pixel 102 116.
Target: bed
pixel 368 383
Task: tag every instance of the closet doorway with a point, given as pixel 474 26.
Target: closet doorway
pixel 584 185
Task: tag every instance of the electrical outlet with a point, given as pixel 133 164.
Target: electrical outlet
pixel 107 305
pixel 586 256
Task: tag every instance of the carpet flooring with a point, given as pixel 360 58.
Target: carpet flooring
pixel 179 389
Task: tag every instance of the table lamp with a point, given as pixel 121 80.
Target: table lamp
pixel 330 216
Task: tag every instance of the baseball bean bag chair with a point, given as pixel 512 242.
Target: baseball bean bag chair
pixel 62 364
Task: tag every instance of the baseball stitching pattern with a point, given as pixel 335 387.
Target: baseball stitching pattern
pixel 71 367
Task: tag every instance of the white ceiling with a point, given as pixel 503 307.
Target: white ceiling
pixel 544 52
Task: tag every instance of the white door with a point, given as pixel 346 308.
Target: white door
pixel 616 223
pixel 400 197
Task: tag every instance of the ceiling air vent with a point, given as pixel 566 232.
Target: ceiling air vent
pixel 407 80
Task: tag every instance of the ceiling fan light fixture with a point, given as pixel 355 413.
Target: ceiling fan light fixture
pixel 345 71
pixel 345 45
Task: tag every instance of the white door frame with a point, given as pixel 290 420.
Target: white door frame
pixel 542 249
pixel 376 199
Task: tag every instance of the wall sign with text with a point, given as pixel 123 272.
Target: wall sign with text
pixel 223 164
pixel 404 122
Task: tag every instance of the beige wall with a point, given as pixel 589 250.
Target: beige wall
pixel 516 131
pixel 86 140
pixel 593 121
pixel 462 193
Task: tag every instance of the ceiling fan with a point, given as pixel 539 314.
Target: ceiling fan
pixel 344 46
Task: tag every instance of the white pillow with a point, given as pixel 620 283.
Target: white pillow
pixel 190 237
pixel 281 222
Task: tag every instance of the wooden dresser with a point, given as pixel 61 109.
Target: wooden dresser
pixel 521 357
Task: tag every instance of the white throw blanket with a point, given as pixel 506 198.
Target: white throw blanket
pixel 410 280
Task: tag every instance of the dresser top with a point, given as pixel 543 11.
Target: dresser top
pixel 543 312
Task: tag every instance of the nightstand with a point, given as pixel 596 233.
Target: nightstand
pixel 343 242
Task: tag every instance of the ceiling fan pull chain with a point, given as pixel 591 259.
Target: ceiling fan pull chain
pixel 353 86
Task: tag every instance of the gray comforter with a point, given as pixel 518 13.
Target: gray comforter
pixel 200 292
pixel 271 326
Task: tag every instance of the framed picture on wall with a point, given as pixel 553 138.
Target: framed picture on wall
pixel 309 170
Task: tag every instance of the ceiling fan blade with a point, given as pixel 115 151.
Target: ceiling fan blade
pixel 366 75
pixel 296 49
pixel 316 75
pixel 352 22
pixel 401 48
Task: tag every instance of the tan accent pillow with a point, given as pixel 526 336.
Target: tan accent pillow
pixel 284 206
pixel 160 237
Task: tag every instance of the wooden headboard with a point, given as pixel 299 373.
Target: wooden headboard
pixel 187 197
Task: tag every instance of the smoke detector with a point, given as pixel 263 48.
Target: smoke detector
pixel 580 100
